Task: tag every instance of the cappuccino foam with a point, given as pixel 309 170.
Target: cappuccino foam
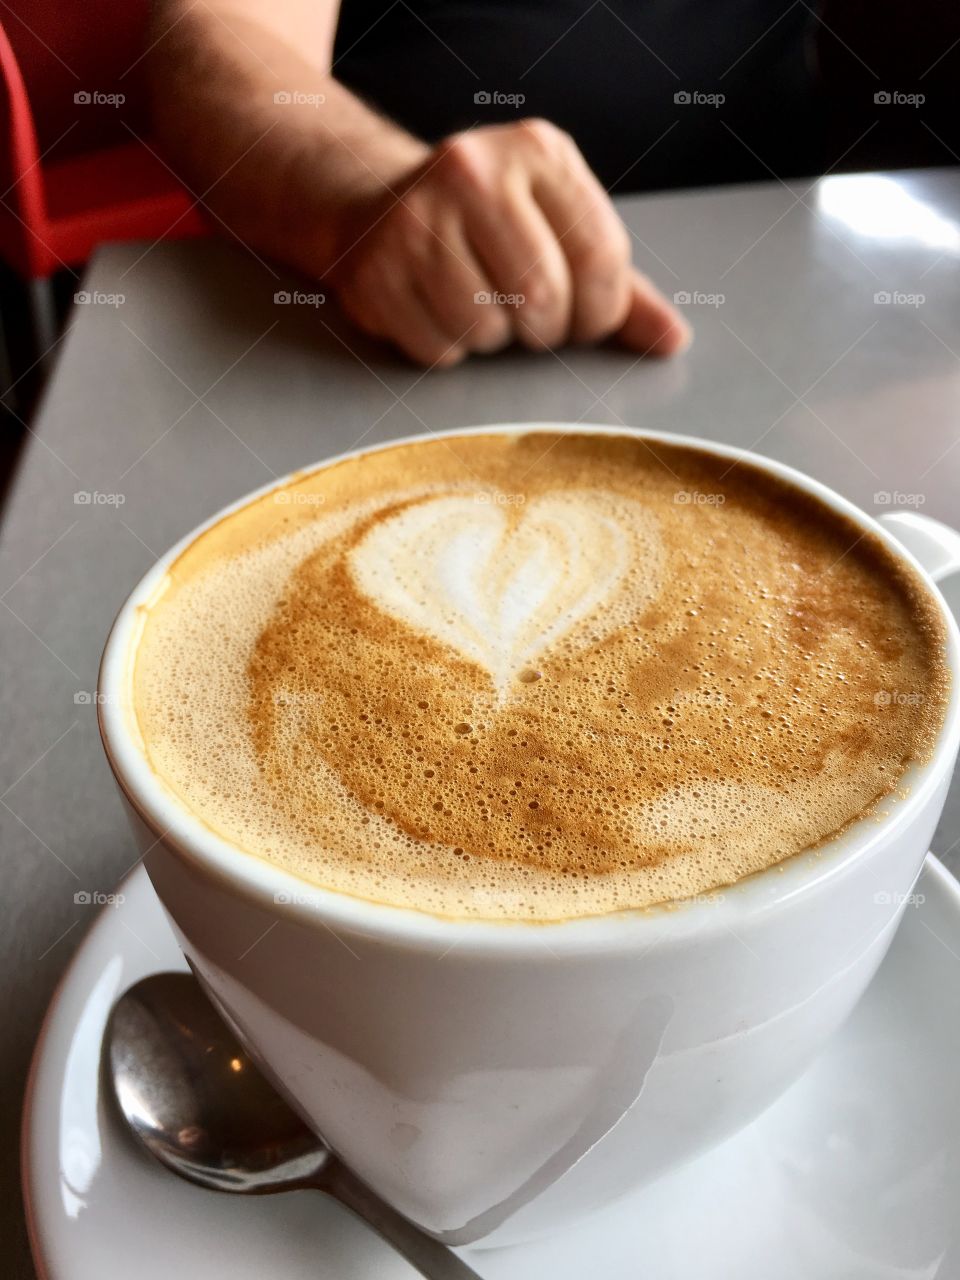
pixel 536 676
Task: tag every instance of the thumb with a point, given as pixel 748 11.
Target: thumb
pixel 652 326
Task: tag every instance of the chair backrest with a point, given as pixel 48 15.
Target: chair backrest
pixel 73 75
pixel 77 47
pixel 23 176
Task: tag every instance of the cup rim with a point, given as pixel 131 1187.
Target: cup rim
pixel 291 897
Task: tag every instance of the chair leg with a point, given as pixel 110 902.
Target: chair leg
pixel 43 318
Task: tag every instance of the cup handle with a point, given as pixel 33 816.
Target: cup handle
pixel 935 545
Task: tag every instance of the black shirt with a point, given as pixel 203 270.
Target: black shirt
pixel 658 93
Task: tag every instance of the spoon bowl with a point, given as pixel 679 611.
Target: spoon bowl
pixel 195 1099
pixel 198 1103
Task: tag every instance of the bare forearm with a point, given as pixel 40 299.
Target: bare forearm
pixel 273 144
pixel 494 234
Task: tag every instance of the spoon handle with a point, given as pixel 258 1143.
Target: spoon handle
pixel 431 1258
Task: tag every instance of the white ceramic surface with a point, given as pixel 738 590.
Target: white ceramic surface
pixel 854 1174
pixel 494 1082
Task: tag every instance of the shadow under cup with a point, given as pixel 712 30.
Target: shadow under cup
pixel 494 1081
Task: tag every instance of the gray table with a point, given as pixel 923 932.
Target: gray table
pixel 198 387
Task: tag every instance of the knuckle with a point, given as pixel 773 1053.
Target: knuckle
pixel 461 160
pixel 598 325
pixel 603 259
pixel 541 291
pixel 491 331
pixel 543 133
pixel 544 329
pixel 598 234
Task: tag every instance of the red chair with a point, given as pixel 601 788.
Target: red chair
pixel 54 214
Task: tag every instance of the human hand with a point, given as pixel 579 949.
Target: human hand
pixel 501 233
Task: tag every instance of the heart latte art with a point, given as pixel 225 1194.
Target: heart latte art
pixel 499 582
pixel 535 676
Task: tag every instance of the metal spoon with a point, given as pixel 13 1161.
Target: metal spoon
pixel 199 1105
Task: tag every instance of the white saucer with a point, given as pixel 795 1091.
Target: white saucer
pixel 853 1175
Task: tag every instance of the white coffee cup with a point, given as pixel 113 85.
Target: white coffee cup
pixel 495 1081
